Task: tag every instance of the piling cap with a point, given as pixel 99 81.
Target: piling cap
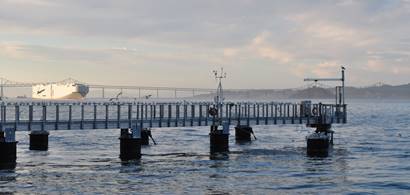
pixel 320 135
pixel 39 132
pixel 125 133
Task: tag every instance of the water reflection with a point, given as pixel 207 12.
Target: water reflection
pixel 331 169
pixel 132 166
pixel 7 176
pixel 216 191
pixel 219 156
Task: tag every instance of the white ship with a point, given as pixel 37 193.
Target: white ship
pixel 68 89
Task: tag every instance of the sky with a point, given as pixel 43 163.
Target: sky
pixel 259 43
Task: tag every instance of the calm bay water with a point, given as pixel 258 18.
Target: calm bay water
pixel 371 155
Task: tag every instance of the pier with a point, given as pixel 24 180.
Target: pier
pixel 29 116
pixel 136 118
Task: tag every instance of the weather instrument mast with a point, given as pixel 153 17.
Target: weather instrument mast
pixel 216 110
pixel 340 90
pixel 219 91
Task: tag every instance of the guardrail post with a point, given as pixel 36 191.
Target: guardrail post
pixel 266 106
pixel 107 115
pixel 43 117
pixel 57 117
pixel 82 117
pixel 200 115
pixel 257 117
pixel 177 115
pixel 248 113
pixel 192 114
pixel 169 115
pixel 151 114
pixel 30 116
pixel 95 116
pixel 344 113
pixel 118 115
pixel 275 121
pixel 129 115
pixel 185 115
pixel 161 114
pixel 293 113
pixel 70 116
pixel 207 114
pixel 17 116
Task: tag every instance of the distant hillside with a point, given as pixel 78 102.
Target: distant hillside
pixel 313 93
pixel 373 92
pixel 380 92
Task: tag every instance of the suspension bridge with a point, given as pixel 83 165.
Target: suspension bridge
pixel 108 91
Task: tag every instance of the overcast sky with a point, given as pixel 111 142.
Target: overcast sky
pixel 260 44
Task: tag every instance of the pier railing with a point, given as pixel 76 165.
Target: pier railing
pixel 109 115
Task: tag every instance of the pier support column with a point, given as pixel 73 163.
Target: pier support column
pixel 130 144
pixel 243 133
pixel 39 140
pixel 219 139
pixel 319 142
pixel 8 149
pixel 145 135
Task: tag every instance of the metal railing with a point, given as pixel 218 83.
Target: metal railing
pixel 107 115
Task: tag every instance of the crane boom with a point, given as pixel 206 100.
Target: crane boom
pixel 323 79
pixel 342 95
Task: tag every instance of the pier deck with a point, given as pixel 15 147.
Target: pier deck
pixel 24 116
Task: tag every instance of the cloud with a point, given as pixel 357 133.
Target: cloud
pixel 332 32
pixel 259 47
pixel 29 2
pixel 326 69
pixel 230 52
pixel 11 50
pixel 375 65
pixel 322 70
pixel 400 70
pixel 281 37
pixel 264 49
pixel 18 51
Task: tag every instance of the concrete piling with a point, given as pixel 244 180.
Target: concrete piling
pixel 130 144
pixel 8 149
pixel 319 142
pixel 39 140
pixel 145 135
pixel 219 139
pixel 243 133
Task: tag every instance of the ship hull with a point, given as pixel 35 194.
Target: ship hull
pixel 60 91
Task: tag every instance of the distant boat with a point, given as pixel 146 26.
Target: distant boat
pixel 61 90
